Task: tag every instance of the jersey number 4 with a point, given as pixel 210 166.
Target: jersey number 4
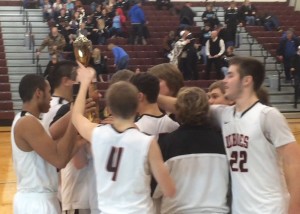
pixel 238 161
pixel 114 161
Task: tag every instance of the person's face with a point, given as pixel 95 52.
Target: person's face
pixel 233 83
pixel 62 12
pixel 289 35
pixel 44 98
pixel 216 97
pixel 54 31
pixel 54 59
pixel 163 88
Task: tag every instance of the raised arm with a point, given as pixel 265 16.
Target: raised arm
pixel 82 124
pixel 160 171
pixel 167 103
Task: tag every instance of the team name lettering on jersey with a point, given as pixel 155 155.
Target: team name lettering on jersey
pixel 237 140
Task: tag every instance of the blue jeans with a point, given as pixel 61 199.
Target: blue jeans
pixel 122 63
pixel 250 20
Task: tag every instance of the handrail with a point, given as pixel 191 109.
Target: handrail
pixel 32 44
pixel 22 7
pixel 250 40
pixel 38 65
pixel 265 54
pixel 279 71
pixel 238 35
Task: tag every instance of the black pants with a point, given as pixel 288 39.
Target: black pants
pixel 218 64
pixel 188 65
pixel 136 32
pixel 287 68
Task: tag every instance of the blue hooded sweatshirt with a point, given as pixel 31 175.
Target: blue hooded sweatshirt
pixel 136 15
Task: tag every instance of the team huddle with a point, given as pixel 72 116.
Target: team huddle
pixel 154 152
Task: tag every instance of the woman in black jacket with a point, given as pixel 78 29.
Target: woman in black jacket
pixel 99 63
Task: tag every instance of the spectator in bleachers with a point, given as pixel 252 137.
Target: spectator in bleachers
pixel 74 23
pixel 189 57
pixel 82 30
pixel 225 59
pixel 137 20
pixel 168 43
pixel 287 49
pixel 69 6
pixel 163 3
pixel 98 13
pixel 50 65
pixel 105 16
pixel 63 16
pixel 57 6
pixel 100 33
pixel 215 48
pixel 99 63
pixel 247 13
pixel 170 78
pixel 116 28
pixel 210 17
pixel 176 53
pixel 205 35
pixel 89 26
pixel 55 43
pixel 121 58
pixel 231 21
pixel 47 11
pixel 271 22
pixel 123 4
pixel 186 16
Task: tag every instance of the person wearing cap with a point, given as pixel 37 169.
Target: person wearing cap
pixel 178 47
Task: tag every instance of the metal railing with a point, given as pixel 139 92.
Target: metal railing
pixel 279 69
pixel 39 70
pixel 251 41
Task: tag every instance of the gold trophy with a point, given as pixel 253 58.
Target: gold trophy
pixel 83 51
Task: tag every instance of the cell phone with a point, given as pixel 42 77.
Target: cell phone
pixel 75 90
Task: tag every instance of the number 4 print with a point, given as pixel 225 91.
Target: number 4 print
pixel 237 161
pixel 114 161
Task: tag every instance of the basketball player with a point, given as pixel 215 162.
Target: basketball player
pixel 35 155
pixel 61 79
pixel 123 156
pixel 263 155
pixel 195 156
pixel 151 119
pixel 216 94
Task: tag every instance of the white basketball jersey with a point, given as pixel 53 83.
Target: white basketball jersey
pixel 55 104
pixel 154 125
pixel 34 174
pixel 122 170
pixel 75 187
pixel 258 184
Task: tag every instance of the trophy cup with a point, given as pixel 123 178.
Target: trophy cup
pixel 83 50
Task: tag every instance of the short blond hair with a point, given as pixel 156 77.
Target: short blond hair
pixel 192 106
pixel 122 99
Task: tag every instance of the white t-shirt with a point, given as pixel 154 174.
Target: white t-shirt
pixel 122 170
pixel 251 139
pixel 155 125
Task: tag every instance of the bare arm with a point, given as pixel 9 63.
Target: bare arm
pixel 58 128
pixel 290 154
pixel 160 171
pixel 31 135
pixel 82 124
pixel 167 103
pixel 80 159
